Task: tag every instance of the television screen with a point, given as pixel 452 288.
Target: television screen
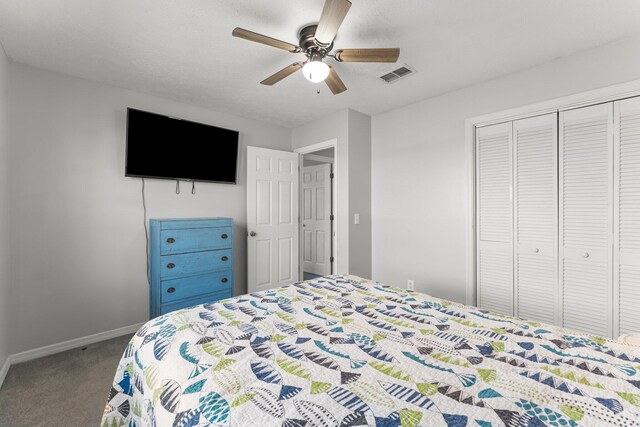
pixel 169 148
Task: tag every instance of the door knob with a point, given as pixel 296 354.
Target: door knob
pixel 585 255
pixel 252 234
pixel 536 250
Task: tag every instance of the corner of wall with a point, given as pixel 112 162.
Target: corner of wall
pixel 359 134
pixel 334 126
pixel 5 276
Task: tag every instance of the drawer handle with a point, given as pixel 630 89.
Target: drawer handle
pixel 536 250
pixel 224 235
pixel 171 240
pixel 171 265
pixel 225 280
pixel 225 258
pixel 585 255
pixel 171 290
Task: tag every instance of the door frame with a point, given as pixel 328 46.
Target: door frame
pixel 583 99
pixel 309 149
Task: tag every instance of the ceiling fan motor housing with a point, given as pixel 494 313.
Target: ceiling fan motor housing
pixel 308 42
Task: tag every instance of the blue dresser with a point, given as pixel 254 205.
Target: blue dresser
pixel 191 262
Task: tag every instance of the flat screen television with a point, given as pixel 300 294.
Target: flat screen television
pixel 164 147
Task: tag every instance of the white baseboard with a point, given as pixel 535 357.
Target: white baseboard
pixel 48 350
pixel 5 369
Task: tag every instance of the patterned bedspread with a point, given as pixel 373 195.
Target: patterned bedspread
pixel 340 351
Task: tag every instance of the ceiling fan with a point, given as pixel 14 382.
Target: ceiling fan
pixel 316 42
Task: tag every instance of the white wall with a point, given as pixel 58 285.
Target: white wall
pixel 334 126
pixel 4 214
pixel 78 245
pixel 352 130
pixel 360 193
pixel 418 164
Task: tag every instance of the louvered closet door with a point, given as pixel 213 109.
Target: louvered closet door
pixel 494 218
pixel 627 216
pixel 586 207
pixel 536 217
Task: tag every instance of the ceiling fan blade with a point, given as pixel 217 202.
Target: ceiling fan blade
pixel 333 14
pixel 334 82
pixel 368 55
pixel 260 38
pixel 285 72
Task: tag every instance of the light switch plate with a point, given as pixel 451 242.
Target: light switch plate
pixel 356 218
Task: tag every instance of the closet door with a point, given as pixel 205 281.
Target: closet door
pixel 535 147
pixel 627 217
pixel 494 218
pixel 586 223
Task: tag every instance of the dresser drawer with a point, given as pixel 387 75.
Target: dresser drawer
pixel 194 263
pixel 194 286
pixel 195 239
pixel 166 308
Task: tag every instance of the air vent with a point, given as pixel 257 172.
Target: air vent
pixel 397 74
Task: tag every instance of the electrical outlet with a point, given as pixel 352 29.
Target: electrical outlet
pixel 356 219
pixel 410 285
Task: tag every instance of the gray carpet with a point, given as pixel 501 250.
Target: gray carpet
pixel 65 389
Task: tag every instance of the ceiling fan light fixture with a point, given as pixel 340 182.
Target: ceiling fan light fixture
pixel 315 71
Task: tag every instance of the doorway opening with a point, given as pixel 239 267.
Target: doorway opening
pixel 317 212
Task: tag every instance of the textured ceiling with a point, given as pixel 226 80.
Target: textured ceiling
pixel 184 50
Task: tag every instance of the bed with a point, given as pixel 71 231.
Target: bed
pixel 344 351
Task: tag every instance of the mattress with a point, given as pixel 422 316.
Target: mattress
pixel 343 351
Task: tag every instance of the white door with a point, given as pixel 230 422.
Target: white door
pixel 586 223
pixel 272 218
pixel 494 218
pixel 535 148
pixel 316 219
pixel 627 216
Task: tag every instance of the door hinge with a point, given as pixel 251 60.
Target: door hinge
pixel 331 217
pixel 331 259
pixel 331 175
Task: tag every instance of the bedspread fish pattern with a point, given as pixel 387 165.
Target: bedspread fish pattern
pixel 341 352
